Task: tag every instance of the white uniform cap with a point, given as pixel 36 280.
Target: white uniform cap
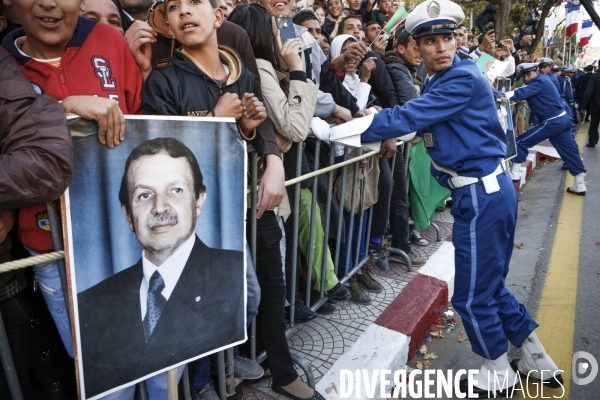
pixel 526 67
pixel 434 16
pixel 545 61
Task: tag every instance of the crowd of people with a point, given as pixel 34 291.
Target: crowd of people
pixel 219 58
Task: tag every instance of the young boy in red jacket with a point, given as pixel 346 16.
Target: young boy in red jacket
pixel 88 67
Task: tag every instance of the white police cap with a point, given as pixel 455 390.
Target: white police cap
pixel 527 67
pixel 434 16
pixel 544 61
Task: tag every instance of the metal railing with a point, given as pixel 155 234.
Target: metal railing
pixel 225 359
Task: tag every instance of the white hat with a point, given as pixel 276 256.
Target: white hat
pixel 434 16
pixel 527 67
pixel 544 61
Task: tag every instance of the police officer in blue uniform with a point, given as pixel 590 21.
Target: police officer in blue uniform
pixel 555 125
pixel 457 120
pixel 546 67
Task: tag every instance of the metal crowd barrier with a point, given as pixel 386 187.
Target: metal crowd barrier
pixel 227 382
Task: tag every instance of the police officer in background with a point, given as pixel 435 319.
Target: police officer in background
pixel 545 68
pixel 555 124
pixel 456 117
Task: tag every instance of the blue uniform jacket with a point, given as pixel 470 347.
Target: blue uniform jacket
pixel 554 80
pixel 458 107
pixel 566 89
pixel 542 97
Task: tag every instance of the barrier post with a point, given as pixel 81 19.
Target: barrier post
pixel 311 234
pixel 8 365
pixel 57 240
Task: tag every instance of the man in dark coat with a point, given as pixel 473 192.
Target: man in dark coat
pixel 182 299
pixel 591 102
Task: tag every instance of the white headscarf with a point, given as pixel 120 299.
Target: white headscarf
pixel 338 42
pixel 351 80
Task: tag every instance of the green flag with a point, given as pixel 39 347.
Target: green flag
pixel 485 62
pixel 399 16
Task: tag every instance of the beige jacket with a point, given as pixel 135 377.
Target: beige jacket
pixel 293 114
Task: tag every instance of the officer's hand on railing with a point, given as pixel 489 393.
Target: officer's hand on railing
pixel 271 188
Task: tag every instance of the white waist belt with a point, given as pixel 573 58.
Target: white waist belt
pixel 461 181
pixel 557 116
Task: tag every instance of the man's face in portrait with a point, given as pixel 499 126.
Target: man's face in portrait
pixel 163 204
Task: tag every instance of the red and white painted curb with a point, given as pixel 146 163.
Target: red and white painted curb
pixel 538 153
pixel 395 336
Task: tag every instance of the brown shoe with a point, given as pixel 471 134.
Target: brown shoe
pixel 367 282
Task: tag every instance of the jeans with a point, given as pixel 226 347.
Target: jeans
pixel 356 237
pixel 399 207
pixel 253 288
pixel 49 283
pixel 271 320
pixel 156 388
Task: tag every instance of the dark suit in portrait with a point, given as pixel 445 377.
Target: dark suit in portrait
pixel 204 312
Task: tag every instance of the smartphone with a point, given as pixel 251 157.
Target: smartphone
pixel 286 28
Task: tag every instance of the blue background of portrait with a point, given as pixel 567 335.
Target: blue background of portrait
pixel 102 242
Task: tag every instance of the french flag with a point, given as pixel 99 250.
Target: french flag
pixel 586 32
pixel 572 19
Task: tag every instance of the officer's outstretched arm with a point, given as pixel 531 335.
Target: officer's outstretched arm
pixel 448 98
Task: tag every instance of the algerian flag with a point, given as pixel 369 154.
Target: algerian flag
pixel 485 62
pixel 399 16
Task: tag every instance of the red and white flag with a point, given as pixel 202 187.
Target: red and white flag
pixel 573 18
pixel 586 32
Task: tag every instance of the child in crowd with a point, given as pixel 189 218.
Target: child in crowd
pixel 65 56
pixel 205 79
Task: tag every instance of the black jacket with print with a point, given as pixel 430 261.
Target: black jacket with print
pixel 182 88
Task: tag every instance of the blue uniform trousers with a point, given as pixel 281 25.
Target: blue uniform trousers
pixel 559 131
pixel 483 234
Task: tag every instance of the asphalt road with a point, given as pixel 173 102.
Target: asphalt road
pixel 539 208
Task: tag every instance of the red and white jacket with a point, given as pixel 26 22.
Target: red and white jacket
pixel 97 62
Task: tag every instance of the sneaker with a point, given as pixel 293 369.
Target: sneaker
pixel 417 239
pixel 415 260
pixel 207 392
pixel 327 307
pixel 244 368
pixel 358 295
pixel 302 314
pixel 376 251
pixel 367 282
pixel 338 293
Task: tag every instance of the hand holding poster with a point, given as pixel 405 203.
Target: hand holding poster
pixel 156 245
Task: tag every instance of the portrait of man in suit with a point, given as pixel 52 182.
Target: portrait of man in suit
pixel 182 299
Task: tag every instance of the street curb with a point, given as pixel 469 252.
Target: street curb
pixel 416 309
pixel 401 328
pixel 537 154
pixel 378 348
